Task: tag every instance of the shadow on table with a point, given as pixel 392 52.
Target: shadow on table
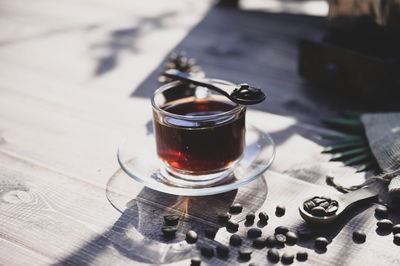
pixel 137 233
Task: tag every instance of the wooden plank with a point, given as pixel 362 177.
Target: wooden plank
pixel 14 254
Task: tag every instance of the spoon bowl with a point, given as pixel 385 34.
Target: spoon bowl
pixel 344 201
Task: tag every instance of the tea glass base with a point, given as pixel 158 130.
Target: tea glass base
pixel 185 180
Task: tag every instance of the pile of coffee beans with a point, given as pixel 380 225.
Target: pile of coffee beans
pixel 321 206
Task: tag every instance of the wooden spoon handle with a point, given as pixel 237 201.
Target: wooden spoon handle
pixel 359 194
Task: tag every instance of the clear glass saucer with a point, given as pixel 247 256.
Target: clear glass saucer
pixel 137 156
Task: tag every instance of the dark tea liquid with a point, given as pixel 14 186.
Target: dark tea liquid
pixel 205 148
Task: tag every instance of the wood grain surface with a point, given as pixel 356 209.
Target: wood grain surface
pixel 75 78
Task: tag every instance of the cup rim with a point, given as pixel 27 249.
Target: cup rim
pixel 164 87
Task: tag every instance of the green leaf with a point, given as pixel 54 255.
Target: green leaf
pixel 358 159
pixel 346 137
pixel 367 166
pixel 352 125
pixel 340 147
pixel 345 154
pixel 353 115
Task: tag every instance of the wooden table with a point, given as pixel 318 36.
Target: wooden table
pixel 76 76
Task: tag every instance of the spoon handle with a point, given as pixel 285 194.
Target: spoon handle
pixel 182 76
pixel 359 194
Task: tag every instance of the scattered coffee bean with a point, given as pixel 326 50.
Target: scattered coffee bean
pixel 318 211
pixel 280 210
pixel 270 241
pixel 171 220
pixel 287 258
pixel 385 225
pixel 191 237
pixel 291 238
pixel 222 251
pixel 396 229
pixel 224 217
pixel 396 239
pixel 359 236
pixel 381 211
pixel 280 239
pixel 245 253
pixel 210 233
pixel 236 208
pixel 207 251
pixel 254 232
pixel 259 242
pixel 331 210
pixel 250 217
pixel 263 217
pixel 235 240
pixel 308 205
pixel 321 243
pixel 253 264
pixel 232 226
pixel 302 256
pixel 304 233
pixel 196 261
pixel 169 231
pixel 281 230
pixel 273 255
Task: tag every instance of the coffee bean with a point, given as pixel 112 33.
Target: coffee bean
pixel 280 239
pixel 210 233
pixel 318 211
pixel 224 217
pixel 308 205
pixel 291 238
pixel 280 210
pixel 327 199
pixel 396 229
pixel 263 217
pixel 232 226
pixel 302 256
pixel 253 264
pixel 318 200
pixel 381 211
pixel 250 217
pixel 287 258
pixel 169 231
pixel 207 251
pixel 321 243
pixel 281 230
pixel 245 253
pixel 222 251
pixel 304 233
pixel 236 208
pixel 196 261
pixel 331 210
pixel 254 232
pixel 259 242
pixel 171 220
pixel 235 240
pixel 270 241
pixel 273 255
pixel 191 237
pixel 324 204
pixel 396 239
pixel 385 225
pixel 359 236
pixel 334 203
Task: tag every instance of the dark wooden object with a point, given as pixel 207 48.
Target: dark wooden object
pixel 351 73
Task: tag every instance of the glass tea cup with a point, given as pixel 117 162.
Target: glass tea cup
pixel 199 133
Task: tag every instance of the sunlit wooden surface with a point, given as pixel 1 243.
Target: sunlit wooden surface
pixel 75 78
